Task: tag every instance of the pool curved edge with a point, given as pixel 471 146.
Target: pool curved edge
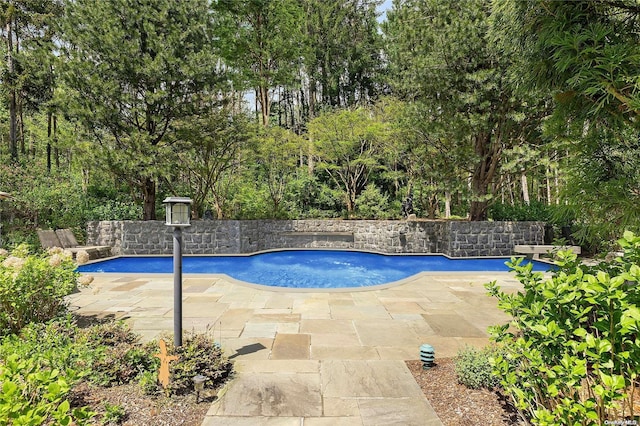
pixel 266 287
pixel 490 276
pixel 255 253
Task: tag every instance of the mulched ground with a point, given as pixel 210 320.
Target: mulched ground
pixel 141 409
pixel 457 405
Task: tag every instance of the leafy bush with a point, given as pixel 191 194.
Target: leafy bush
pixel 372 204
pixel 113 414
pixel 311 198
pixel 148 382
pixel 534 211
pixel 54 344
pixel 474 369
pixel 572 349
pixel 118 356
pixel 33 396
pixel 38 367
pixel 199 354
pixel 33 287
pixel 43 199
pixel 115 210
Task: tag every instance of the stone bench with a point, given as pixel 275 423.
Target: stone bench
pixel 340 236
pixel 534 251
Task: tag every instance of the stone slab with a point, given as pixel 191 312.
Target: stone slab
pixel 277 366
pixel 291 346
pixel 398 411
pixel 386 333
pixel 247 349
pixel 260 329
pixel 282 395
pixel 335 339
pixel 129 286
pixel 333 421
pixel 341 407
pixel 251 421
pixel 344 352
pixel 370 379
pixel 326 326
pixel 452 325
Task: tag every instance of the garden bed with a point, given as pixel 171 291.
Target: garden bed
pixel 458 405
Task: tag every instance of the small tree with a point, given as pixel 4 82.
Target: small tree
pixel 348 144
pixel 277 154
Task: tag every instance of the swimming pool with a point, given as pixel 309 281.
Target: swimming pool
pixel 307 268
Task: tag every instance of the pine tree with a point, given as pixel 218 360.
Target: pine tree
pixel 132 68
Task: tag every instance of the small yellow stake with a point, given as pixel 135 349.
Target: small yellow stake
pixel 163 373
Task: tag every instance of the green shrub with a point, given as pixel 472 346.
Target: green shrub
pixel 473 367
pixel 37 369
pixel 115 210
pixel 33 287
pixel 113 414
pixel 572 352
pixel 53 344
pixel 148 382
pixel 199 354
pixel 372 204
pixel 534 211
pixel 118 356
pixel 34 396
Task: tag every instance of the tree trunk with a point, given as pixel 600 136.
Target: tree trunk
pixel 20 135
pixel 49 132
pixel 525 189
pixel 265 107
pixel 447 204
pixel 149 193
pixel 13 120
pixel 488 153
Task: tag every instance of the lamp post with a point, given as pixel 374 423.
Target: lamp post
pixel 178 216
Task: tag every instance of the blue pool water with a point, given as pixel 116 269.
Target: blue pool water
pixel 307 268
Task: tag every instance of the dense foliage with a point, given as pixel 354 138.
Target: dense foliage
pixel 572 351
pixel 42 363
pixel 473 367
pixel 33 287
pixel 298 108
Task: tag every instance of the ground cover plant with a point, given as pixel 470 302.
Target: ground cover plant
pixel 572 350
pixel 54 372
pixel 57 372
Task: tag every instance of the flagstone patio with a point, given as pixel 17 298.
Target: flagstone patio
pixel 314 357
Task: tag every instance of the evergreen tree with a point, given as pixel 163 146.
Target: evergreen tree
pixel 264 42
pixel 440 54
pixel 586 54
pixel 133 67
pixel 344 59
pixel 27 76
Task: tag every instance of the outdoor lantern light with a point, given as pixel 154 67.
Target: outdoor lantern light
pixel 178 211
pixel 198 383
pixel 427 356
pixel 178 216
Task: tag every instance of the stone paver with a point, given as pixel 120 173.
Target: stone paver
pixel 291 346
pixel 312 358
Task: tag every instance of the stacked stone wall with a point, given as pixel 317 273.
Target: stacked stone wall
pixel 454 238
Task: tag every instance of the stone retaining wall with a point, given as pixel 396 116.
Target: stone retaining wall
pixel 454 238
